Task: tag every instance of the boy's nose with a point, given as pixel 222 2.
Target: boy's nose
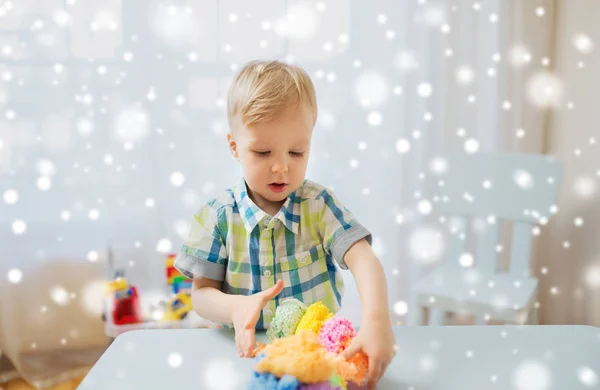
pixel 279 167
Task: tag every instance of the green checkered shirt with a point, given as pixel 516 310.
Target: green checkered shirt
pixel 234 241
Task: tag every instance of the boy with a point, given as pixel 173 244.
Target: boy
pixel 276 235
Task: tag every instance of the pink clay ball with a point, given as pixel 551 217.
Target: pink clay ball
pixel 336 334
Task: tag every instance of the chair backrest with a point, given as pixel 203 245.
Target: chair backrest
pixel 520 188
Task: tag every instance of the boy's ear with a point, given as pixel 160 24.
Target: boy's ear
pixel 232 145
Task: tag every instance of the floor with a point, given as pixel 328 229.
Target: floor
pixel 22 385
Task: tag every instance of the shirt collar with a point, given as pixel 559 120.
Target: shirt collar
pixel 252 215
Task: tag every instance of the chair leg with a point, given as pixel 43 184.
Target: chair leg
pixel 532 316
pixel 438 317
pixel 417 314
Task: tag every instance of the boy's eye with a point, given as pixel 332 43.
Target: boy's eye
pixel 262 153
pixel 297 154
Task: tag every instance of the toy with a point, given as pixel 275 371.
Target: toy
pixel 315 316
pixel 297 361
pixel 178 307
pixel 297 345
pixel 288 315
pixel 175 279
pixel 125 303
pixel 336 334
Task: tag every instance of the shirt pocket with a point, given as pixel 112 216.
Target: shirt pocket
pixel 302 259
pixel 305 275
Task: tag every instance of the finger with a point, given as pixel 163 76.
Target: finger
pixel 351 350
pixel 238 343
pixel 382 368
pixel 272 292
pixel 249 342
pixel 374 372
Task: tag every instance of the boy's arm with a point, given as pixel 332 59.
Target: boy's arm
pixel 370 280
pixel 210 302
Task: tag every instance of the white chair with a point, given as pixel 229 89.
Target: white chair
pixel 517 188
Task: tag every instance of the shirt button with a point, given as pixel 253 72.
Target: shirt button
pixel 267 233
pixel 267 273
pixel 303 260
pixel 268 312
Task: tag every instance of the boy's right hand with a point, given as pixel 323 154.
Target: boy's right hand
pixel 246 313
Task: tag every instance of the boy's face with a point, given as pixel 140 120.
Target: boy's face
pixel 273 155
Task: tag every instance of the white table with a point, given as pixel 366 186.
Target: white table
pixel 429 358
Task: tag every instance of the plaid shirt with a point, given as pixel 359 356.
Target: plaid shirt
pixel 234 241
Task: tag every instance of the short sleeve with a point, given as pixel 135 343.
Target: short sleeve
pixel 203 253
pixel 339 228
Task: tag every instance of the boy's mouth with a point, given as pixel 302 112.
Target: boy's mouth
pixel 277 187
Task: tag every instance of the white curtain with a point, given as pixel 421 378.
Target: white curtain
pixel 113 127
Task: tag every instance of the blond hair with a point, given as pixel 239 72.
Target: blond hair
pixel 264 89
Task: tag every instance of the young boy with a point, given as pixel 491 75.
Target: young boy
pixel 275 235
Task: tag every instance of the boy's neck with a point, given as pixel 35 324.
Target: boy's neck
pixel 271 208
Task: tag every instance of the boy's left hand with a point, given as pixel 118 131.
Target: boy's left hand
pixel 375 339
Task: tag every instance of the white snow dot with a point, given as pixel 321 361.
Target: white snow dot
pixel 94 214
pixel 583 43
pixel 59 295
pixel 471 145
pixel 531 375
pixel 149 203
pixel 175 360
pixel 354 163
pixel 540 11
pixel 14 275
pixel 108 159
pixel 61 18
pixel 45 167
pixel 544 89
pixel 19 226
pixel 177 179
pixel 466 260
pixel 465 75
pixel 65 215
pixel 523 179
pixel 592 276
pixel 438 165
pixel 402 146
pixel 424 90
pixel 10 196
pixel 375 118
pixel 164 245
pixel 371 89
pixel 487 184
pixel 131 125
pixel 425 207
pixel 93 256
pixel 399 219
pixel 400 308
pixel 585 187
pixel 426 244
pixel 587 376
pixel 578 221
pixel 406 61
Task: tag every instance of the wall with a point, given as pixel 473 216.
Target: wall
pixel 571 285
